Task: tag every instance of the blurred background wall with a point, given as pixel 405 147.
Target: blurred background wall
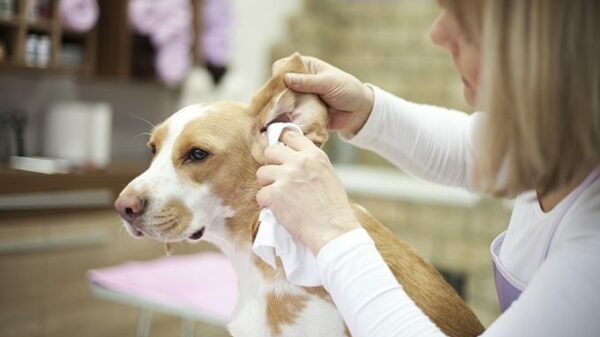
pixel 44 291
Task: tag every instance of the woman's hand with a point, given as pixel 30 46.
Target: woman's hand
pixel 301 188
pixel 348 100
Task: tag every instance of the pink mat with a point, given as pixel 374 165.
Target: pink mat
pixel 205 282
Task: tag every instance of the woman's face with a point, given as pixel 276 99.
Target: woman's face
pixel 446 33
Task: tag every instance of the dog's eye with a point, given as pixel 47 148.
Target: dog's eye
pixel 153 149
pixel 197 154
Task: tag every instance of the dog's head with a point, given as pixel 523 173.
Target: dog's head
pixel 202 179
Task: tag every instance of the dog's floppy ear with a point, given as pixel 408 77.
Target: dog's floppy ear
pixel 274 102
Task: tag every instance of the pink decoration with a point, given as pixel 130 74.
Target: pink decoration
pixel 172 63
pixel 79 15
pixel 169 26
pixel 175 28
pixel 215 39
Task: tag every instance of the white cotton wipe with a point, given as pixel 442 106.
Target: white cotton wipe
pixel 272 239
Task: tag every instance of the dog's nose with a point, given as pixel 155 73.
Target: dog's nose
pixel 130 207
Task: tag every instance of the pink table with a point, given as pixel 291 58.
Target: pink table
pixel 196 287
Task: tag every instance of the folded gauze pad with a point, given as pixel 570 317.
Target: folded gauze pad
pixel 272 239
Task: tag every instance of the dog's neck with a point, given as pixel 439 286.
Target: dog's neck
pixel 236 239
pixel 256 279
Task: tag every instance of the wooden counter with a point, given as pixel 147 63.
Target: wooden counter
pixel 115 178
pixel 16 182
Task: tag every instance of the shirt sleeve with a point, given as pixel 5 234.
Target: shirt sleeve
pixel 432 143
pixel 561 300
pixel 366 292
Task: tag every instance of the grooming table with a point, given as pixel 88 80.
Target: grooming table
pixel 200 287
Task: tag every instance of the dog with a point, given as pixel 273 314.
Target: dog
pixel 201 185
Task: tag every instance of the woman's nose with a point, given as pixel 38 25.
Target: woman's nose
pixel 442 33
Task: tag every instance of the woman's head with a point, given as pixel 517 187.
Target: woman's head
pixel 534 66
pixel 451 33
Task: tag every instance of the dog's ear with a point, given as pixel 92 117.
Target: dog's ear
pixel 274 102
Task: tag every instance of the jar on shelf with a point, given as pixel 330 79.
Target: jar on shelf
pixel 33 10
pixel 44 46
pixel 7 8
pixel 31 46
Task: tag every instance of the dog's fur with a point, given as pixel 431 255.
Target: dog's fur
pixel 216 196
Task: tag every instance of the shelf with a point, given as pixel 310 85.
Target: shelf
pixel 10 22
pixel 114 178
pixel 63 58
pixel 97 187
pixel 21 68
pixel 111 50
pixel 45 26
pixel 74 34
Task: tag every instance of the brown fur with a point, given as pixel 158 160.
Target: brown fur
pixel 265 269
pixel 158 136
pixel 307 111
pixel 230 168
pixel 176 217
pixel 319 292
pixel 421 281
pixel 283 309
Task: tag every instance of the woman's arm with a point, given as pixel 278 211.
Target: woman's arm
pixel 430 142
pixel 366 292
pixel 561 300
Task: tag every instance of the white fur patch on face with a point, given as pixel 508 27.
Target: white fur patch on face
pixel 162 184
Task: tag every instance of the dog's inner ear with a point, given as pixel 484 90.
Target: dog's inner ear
pixel 274 102
pixel 282 110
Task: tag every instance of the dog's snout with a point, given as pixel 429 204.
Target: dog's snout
pixel 130 207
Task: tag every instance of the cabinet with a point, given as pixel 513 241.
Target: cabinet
pixel 111 50
pixel 33 39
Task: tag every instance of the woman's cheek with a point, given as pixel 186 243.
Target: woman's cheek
pixel 470 73
pixel 470 95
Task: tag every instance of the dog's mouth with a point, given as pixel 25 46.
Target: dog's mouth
pixel 137 231
pixel 197 235
pixel 133 229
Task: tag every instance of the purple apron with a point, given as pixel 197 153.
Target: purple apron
pixel 508 287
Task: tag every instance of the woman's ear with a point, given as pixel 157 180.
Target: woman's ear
pixel 274 102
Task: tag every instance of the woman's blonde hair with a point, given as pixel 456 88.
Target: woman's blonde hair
pixel 540 89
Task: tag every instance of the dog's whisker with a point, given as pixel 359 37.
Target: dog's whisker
pixel 143 134
pixel 174 225
pixel 143 119
pixel 163 216
pixel 162 220
pixel 164 224
pixel 121 228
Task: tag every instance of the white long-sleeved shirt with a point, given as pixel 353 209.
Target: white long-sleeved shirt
pixel 562 295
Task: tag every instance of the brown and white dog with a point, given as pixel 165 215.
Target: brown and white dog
pixel 201 185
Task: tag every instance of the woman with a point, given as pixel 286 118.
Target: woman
pixel 533 68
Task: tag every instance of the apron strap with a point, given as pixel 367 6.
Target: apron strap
pixel 569 203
